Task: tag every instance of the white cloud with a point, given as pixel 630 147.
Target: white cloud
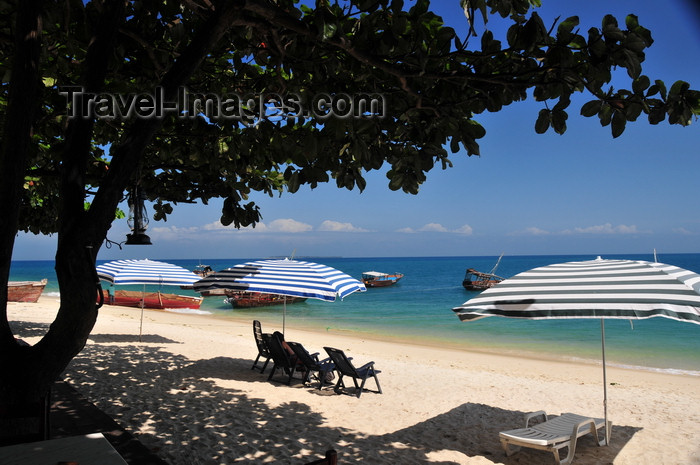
pixel 337 226
pixel 466 229
pixel 216 226
pixel 683 232
pixel 433 227
pixel 437 227
pixel 531 231
pixel 289 225
pixel 606 228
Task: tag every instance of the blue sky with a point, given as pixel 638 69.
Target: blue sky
pixel 582 192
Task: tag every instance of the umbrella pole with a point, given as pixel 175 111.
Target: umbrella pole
pixel 284 314
pixel 605 384
pixel 143 298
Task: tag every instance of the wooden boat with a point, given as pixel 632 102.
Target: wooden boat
pixel 242 299
pixel 203 270
pixel 25 291
pixel 213 292
pixel 478 281
pixel 157 300
pixel 377 279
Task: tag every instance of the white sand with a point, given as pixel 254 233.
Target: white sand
pixel 187 391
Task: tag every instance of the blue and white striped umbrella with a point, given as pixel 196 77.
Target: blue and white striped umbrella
pixel 618 289
pixel 145 272
pixel 284 277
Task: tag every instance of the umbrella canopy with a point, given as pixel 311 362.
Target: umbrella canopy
pixel 145 272
pixel 621 289
pixel 284 277
pixel 624 289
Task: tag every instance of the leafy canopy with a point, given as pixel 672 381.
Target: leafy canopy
pixel 433 85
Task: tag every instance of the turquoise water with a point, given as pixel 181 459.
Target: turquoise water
pixel 419 309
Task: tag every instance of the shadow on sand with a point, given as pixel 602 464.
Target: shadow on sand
pixel 233 424
pixel 158 393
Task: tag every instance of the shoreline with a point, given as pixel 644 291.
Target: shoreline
pixel 428 342
pixel 187 391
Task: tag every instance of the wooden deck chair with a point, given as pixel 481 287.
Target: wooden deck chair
pixel 553 434
pixel 282 360
pixel 344 367
pixel 312 363
pixel 331 458
pixel 263 351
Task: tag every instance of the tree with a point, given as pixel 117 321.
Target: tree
pixel 280 89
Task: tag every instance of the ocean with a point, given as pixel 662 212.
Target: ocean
pixel 419 310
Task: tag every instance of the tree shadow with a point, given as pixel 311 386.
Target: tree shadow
pixel 128 338
pixel 169 402
pixel 29 329
pixel 472 430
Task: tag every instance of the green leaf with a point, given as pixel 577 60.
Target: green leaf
pixel 591 108
pixel 559 118
pixel 543 121
pixel 662 88
pixel 565 28
pixel 618 124
pixel 640 84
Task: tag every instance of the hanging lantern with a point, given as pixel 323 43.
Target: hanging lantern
pixel 138 219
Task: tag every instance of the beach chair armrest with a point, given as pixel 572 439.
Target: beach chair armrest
pixel 533 415
pixel 366 366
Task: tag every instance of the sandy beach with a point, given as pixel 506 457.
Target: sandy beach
pixel 187 392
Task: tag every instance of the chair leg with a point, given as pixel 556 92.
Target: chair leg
pixel 340 385
pixel 267 360
pixel 291 373
pixel 255 362
pixel 376 380
pixel 361 387
pixel 508 449
pixel 274 368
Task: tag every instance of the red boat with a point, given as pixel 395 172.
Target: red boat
pixel 25 291
pixel 242 299
pixel 157 300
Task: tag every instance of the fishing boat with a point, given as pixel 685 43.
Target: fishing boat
pixel 243 299
pixel 157 300
pixel 203 270
pixel 478 281
pixel 377 279
pixel 25 291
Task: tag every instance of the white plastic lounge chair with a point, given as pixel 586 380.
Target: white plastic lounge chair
pixel 553 434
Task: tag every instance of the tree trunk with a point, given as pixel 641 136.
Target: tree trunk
pixel 29 371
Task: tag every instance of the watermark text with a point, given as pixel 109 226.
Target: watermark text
pixel 247 108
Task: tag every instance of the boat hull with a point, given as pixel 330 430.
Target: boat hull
pixel 478 281
pixel 479 285
pixel 155 300
pixel 381 281
pixel 25 291
pixel 258 299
